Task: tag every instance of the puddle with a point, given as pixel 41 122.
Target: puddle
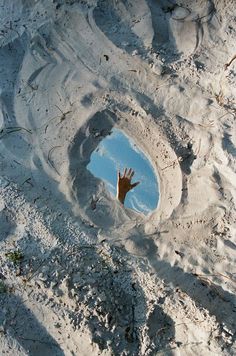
pixel 115 152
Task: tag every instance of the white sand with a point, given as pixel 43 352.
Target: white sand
pixel 96 279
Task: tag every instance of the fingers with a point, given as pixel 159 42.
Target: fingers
pixel 118 175
pixel 125 171
pixel 128 173
pixel 134 185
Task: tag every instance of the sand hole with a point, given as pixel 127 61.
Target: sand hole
pixel 117 151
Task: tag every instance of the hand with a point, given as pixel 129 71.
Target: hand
pixel 124 184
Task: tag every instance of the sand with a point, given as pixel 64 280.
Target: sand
pixel 79 273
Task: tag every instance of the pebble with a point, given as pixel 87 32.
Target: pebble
pixel 180 13
pixel 73 292
pixel 135 52
pixel 157 68
pixel 53 284
pixel 58 292
pixel 227 330
pixel 43 277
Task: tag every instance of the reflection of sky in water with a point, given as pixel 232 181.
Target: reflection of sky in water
pixel 116 152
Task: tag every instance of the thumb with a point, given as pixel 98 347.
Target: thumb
pixel 134 185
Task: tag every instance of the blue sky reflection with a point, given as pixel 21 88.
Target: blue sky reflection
pixel 117 151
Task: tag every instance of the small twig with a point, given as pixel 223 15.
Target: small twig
pixel 29 85
pixel 173 348
pixel 35 199
pixel 16 308
pixel 214 275
pixel 17 128
pixel 34 273
pixel 28 181
pixel 32 87
pixel 211 124
pixel 198 19
pixel 190 322
pixel 163 85
pixel 59 109
pixel 46 127
pixel 49 158
pixel 180 159
pixel 47 124
pixel 223 116
pixel 37 340
pixel 220 98
pixel 63 117
pixel 199 148
pixel 11 129
pixel 81 247
pixel 228 64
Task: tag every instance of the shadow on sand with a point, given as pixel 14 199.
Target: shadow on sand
pixel 22 325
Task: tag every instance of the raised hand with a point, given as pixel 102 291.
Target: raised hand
pixel 124 184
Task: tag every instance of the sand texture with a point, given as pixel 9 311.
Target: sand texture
pixel 80 274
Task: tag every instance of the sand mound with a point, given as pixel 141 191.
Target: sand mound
pixel 80 274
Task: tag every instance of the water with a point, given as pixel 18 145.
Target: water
pixel 116 152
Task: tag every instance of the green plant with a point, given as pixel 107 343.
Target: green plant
pixel 15 257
